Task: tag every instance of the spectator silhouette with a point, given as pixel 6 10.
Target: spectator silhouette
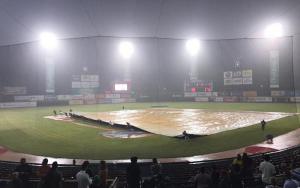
pixel 103 174
pixel 236 177
pixel 133 174
pixel 42 172
pixel 247 168
pixel 54 178
pixel 238 161
pixel 155 167
pixel 24 172
pixel 202 179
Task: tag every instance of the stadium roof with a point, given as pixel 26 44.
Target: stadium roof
pixel 23 20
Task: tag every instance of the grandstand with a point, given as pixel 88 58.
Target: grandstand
pixel 188 82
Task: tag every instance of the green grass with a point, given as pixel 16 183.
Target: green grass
pixel 25 130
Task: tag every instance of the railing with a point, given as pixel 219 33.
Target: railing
pixel 114 184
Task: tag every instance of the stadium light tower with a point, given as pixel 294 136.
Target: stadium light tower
pixel 126 49
pixel 192 46
pixel 48 41
pixel 273 31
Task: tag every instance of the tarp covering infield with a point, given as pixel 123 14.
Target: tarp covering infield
pixel 172 122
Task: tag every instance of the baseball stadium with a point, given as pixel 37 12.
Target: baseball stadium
pixel 156 94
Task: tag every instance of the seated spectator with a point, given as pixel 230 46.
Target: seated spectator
pixel 202 179
pixel 82 177
pixel 267 169
pixel 42 172
pixel 155 167
pixel 133 174
pixel 54 178
pixel 289 182
pixel 247 168
pixel 238 160
pixel 24 172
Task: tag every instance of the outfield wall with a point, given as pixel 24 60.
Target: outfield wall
pixel 64 100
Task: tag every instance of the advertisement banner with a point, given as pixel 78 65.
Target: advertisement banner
pixel 112 96
pixel 237 81
pixel 89 97
pixel 77 97
pixel 18 104
pixel 118 100
pixel 230 99
pixel 274 69
pixel 203 94
pixel 295 99
pixel 201 99
pixel 64 97
pixel 214 94
pixel 278 93
pixel 90 102
pixel 131 100
pixel 236 93
pixel 243 77
pixel 75 102
pixel 247 81
pixel 228 75
pixel 30 98
pixel 89 78
pixel 50 98
pixel 85 81
pixel 218 99
pixel 188 94
pixel 125 95
pixel 14 91
pixel 247 73
pixel 263 99
pixel 249 93
pixel 100 96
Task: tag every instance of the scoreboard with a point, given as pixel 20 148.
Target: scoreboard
pixel 196 85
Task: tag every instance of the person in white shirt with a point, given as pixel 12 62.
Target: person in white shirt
pixel 83 179
pixel 267 169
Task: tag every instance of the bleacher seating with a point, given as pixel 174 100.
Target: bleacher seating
pixel 177 174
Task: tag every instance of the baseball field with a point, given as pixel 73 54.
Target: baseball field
pixel 27 130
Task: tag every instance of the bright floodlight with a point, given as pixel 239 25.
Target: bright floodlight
pixel 192 46
pixel 126 49
pixel 48 40
pixel 273 31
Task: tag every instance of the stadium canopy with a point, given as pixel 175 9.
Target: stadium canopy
pixel 23 20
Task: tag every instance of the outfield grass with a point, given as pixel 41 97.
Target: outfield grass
pixel 25 130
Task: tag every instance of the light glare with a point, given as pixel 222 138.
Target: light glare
pixel 192 46
pixel 48 40
pixel 126 49
pixel 273 31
